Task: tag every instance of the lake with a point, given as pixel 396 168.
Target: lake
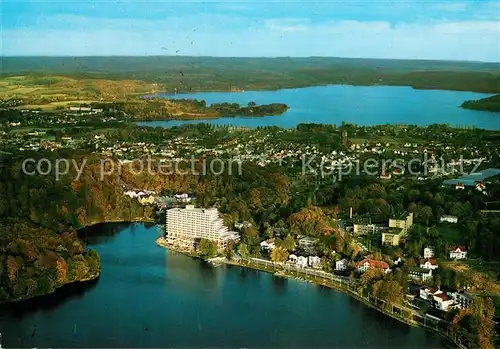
pixel 362 105
pixel 148 296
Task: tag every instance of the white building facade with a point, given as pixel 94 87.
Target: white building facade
pixel 186 226
pixel 428 252
pixel 458 252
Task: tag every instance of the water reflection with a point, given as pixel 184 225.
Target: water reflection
pixel 47 303
pixel 182 271
pixel 103 233
pixel 279 284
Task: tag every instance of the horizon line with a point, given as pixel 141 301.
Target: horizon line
pixel 248 57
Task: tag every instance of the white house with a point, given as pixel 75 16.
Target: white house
pixel 419 274
pixel 367 263
pixel 292 258
pixel 429 264
pixel 443 301
pixel 458 252
pixel 448 219
pixel 428 252
pixel 302 262
pixel 341 265
pixel 242 225
pixel 267 246
pixel 306 242
pixel 480 186
pixel 314 261
pixel 427 292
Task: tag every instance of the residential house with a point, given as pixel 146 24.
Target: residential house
pixel 457 252
pixel 306 242
pixel 428 252
pixel 242 225
pixel 314 261
pixel 182 197
pixel 448 219
pixel 267 245
pixel 443 301
pixel 292 258
pixel 419 274
pixel 480 186
pixel 367 263
pixel 341 265
pixel 146 200
pixel 430 264
pixel 462 299
pixel 427 292
pixel 302 262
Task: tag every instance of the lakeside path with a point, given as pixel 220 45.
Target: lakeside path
pixel 339 283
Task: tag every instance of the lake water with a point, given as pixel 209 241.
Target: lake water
pixel 362 105
pixel 148 296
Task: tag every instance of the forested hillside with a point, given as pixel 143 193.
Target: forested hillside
pixel 212 73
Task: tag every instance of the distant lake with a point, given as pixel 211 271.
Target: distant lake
pixel 149 297
pixel 362 105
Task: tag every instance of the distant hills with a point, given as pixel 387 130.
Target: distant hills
pixel 184 73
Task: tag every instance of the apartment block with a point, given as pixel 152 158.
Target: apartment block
pixel 186 226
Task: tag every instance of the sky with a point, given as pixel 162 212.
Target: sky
pixel 440 29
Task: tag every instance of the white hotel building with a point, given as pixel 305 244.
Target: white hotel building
pixel 186 226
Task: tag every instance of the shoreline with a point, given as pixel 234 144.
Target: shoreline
pixel 94 223
pixel 82 281
pixel 166 92
pixel 319 282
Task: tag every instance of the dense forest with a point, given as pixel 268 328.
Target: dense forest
pixel 210 73
pixel 168 109
pixel 488 104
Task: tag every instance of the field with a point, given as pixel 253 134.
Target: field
pixel 51 92
pixel 483 274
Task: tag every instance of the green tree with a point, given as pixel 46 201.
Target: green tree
pixel 243 250
pixel 206 249
pixel 279 254
pixel 288 243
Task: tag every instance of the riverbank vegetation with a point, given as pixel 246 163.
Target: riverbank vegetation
pixel 487 104
pixel 35 261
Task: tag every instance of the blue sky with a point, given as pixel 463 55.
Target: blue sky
pixel 456 30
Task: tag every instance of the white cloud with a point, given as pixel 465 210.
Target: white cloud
pixel 239 36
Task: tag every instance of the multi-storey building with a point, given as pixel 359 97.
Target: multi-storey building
pixel 405 221
pixel 398 228
pixel 462 299
pixel 186 226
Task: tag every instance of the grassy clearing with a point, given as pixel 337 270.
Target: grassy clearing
pixel 451 233
pixel 492 269
pixel 25 90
